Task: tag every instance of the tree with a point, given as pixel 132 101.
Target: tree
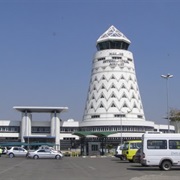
pixel 174 115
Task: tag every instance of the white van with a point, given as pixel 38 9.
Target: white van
pixel 161 150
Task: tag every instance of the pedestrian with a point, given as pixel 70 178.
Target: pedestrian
pixel 0 151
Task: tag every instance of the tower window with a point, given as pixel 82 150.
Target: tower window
pixel 100 59
pixel 140 116
pixel 125 105
pixel 132 87
pixel 119 115
pixel 102 87
pixel 112 45
pixel 113 86
pixel 112 77
pixel 113 105
pixel 102 96
pixel 103 78
pixel 113 96
pixel 95 116
pixel 122 77
pixel 123 86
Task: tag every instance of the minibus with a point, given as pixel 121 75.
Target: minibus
pixel 161 150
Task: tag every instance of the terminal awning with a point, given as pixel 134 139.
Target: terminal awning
pixel 98 134
pixel 37 109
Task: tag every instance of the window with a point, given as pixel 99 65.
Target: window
pixel 102 87
pixel 119 115
pixel 102 96
pixel 113 105
pixel 95 79
pixel 174 144
pixel 157 144
pixel 122 77
pixel 95 116
pixel 113 96
pixel 112 77
pixel 103 78
pixel 124 96
pixel 100 59
pixel 112 86
pixel 94 147
pixel 135 145
pixel 125 105
pixel 140 116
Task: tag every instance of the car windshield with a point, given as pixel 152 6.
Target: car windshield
pixel 126 146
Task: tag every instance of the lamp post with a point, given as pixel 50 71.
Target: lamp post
pixel 167 91
pixel 121 116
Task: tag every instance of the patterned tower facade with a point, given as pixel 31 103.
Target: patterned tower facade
pixel 113 91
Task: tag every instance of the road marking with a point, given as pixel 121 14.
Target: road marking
pixel 12 167
pixel 90 167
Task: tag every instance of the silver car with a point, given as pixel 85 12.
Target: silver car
pixel 17 151
pixel 42 153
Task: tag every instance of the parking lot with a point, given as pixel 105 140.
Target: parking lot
pixel 80 168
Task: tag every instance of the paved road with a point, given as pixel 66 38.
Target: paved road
pixel 106 168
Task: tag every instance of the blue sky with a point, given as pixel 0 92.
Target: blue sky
pixel 47 47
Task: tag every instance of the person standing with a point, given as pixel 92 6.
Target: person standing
pixel 0 151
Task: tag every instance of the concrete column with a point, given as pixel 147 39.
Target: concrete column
pixel 25 125
pixel 55 128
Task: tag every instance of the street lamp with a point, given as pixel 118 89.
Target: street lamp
pixel 167 77
pixel 121 116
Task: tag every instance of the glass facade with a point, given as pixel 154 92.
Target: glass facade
pixel 112 45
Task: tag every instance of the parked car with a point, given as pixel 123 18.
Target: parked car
pixel 137 156
pixel 42 153
pixel 118 152
pixel 4 150
pixel 17 151
pixel 47 148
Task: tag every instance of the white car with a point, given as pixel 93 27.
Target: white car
pixel 118 152
pixel 17 151
pixel 42 153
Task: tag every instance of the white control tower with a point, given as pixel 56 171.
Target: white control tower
pixel 113 97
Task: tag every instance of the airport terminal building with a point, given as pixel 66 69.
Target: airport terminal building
pixel 113 110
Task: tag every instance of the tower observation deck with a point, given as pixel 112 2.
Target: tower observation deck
pixel 113 97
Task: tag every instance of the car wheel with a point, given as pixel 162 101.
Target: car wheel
pixel 58 157
pixel 134 159
pixel 11 155
pixel 166 165
pixel 36 157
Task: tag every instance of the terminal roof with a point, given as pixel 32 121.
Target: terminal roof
pixel 40 109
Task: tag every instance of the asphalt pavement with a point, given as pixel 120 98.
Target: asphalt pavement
pixel 80 168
